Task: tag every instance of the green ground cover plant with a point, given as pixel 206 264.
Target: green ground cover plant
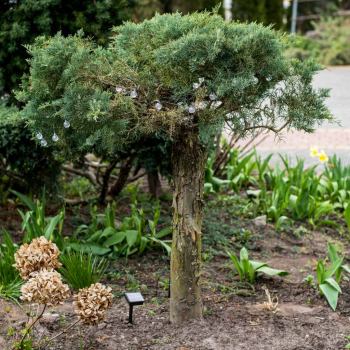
pixel 248 270
pixel 10 281
pixel 287 192
pixel 102 236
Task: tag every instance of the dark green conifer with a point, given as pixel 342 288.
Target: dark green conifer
pixel 185 76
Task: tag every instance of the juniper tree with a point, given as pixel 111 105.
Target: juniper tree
pixel 186 76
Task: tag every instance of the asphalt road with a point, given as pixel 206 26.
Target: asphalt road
pixel 332 138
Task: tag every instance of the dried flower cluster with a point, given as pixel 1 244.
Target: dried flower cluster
pixel 39 254
pixel 92 303
pixel 45 287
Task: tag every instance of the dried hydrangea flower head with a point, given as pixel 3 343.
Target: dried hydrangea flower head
pixel 91 303
pixel 45 287
pixel 39 254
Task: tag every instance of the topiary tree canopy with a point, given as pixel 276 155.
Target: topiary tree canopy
pixel 188 76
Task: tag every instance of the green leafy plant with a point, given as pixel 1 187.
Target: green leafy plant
pixel 327 285
pixel 135 234
pixel 82 270
pixel 34 221
pixel 262 166
pixel 248 269
pixel 238 171
pixel 309 281
pixel 334 257
pixel 212 184
pixel 347 216
pixel 10 281
pixel 336 182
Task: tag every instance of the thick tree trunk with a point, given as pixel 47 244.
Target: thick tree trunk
pixel 154 185
pixel 188 163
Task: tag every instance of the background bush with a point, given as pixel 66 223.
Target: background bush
pixel 329 42
pixel 25 165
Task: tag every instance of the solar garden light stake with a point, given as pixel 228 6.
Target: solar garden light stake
pixel 133 299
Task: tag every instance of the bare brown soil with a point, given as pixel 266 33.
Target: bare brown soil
pixel 232 319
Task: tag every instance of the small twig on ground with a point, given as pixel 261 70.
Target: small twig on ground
pixel 57 335
pixel 31 326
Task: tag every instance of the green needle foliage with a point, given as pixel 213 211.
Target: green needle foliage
pixel 72 78
pixel 82 270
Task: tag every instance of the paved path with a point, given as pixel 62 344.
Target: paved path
pixel 332 138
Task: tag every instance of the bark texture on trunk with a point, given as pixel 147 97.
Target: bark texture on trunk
pixel 188 163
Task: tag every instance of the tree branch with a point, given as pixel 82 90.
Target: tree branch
pixel 87 174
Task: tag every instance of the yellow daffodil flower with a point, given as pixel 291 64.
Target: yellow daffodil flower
pixel 314 151
pixel 323 158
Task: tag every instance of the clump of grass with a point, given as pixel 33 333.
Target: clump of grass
pixel 10 281
pixel 82 270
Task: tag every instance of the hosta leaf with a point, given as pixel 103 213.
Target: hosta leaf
pixel 243 254
pixel 320 272
pixel 273 272
pixel 131 237
pixel 93 248
pixel 49 229
pixel 257 265
pixel 334 267
pixel 237 264
pixel 143 244
pixel 332 253
pixel 245 266
pixel 331 295
pixel 95 236
pixel 163 233
pixel 117 238
pixel 107 232
pixel 163 243
pixel 334 284
pixel 251 273
pixel 346 268
pixel 208 187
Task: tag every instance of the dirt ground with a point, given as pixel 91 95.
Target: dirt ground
pixel 232 319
